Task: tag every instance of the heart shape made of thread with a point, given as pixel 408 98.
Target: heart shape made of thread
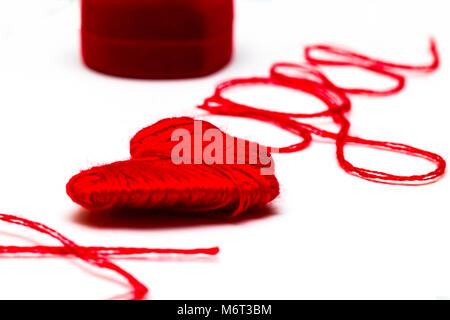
pixel 156 179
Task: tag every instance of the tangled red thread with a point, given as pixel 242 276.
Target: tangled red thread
pixel 96 256
pixel 308 78
pixel 150 179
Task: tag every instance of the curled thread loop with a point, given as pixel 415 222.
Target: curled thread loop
pixel 308 78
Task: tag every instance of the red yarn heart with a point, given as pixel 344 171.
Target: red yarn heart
pixel 151 179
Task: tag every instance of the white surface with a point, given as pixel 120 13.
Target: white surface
pixel 330 235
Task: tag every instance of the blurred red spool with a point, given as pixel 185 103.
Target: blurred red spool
pixel 157 39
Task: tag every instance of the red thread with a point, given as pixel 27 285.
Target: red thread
pixel 152 181
pixel 349 58
pixel 96 256
pixel 105 251
pixel 311 80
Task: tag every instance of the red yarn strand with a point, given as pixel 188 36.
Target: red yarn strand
pixel 104 251
pixel 387 69
pixel 149 180
pixel 309 79
pixel 95 256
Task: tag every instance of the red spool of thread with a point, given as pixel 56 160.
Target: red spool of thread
pixel 157 39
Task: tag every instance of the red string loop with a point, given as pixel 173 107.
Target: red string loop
pixel 344 57
pixel 96 256
pixel 309 79
pixel 350 58
pixel 306 78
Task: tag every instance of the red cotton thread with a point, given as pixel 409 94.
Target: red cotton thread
pixel 309 79
pixel 151 180
pixel 96 256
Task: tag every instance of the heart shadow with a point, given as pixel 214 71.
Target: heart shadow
pixel 144 219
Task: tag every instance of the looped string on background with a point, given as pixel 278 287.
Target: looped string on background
pixel 151 145
pixel 351 59
pixel 96 256
pixel 308 78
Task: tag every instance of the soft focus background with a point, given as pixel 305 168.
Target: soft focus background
pixel 329 235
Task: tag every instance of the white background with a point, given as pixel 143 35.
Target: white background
pixel 329 235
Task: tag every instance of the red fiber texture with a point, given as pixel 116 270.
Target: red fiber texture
pixel 308 78
pixel 157 39
pixel 96 256
pixel 151 180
